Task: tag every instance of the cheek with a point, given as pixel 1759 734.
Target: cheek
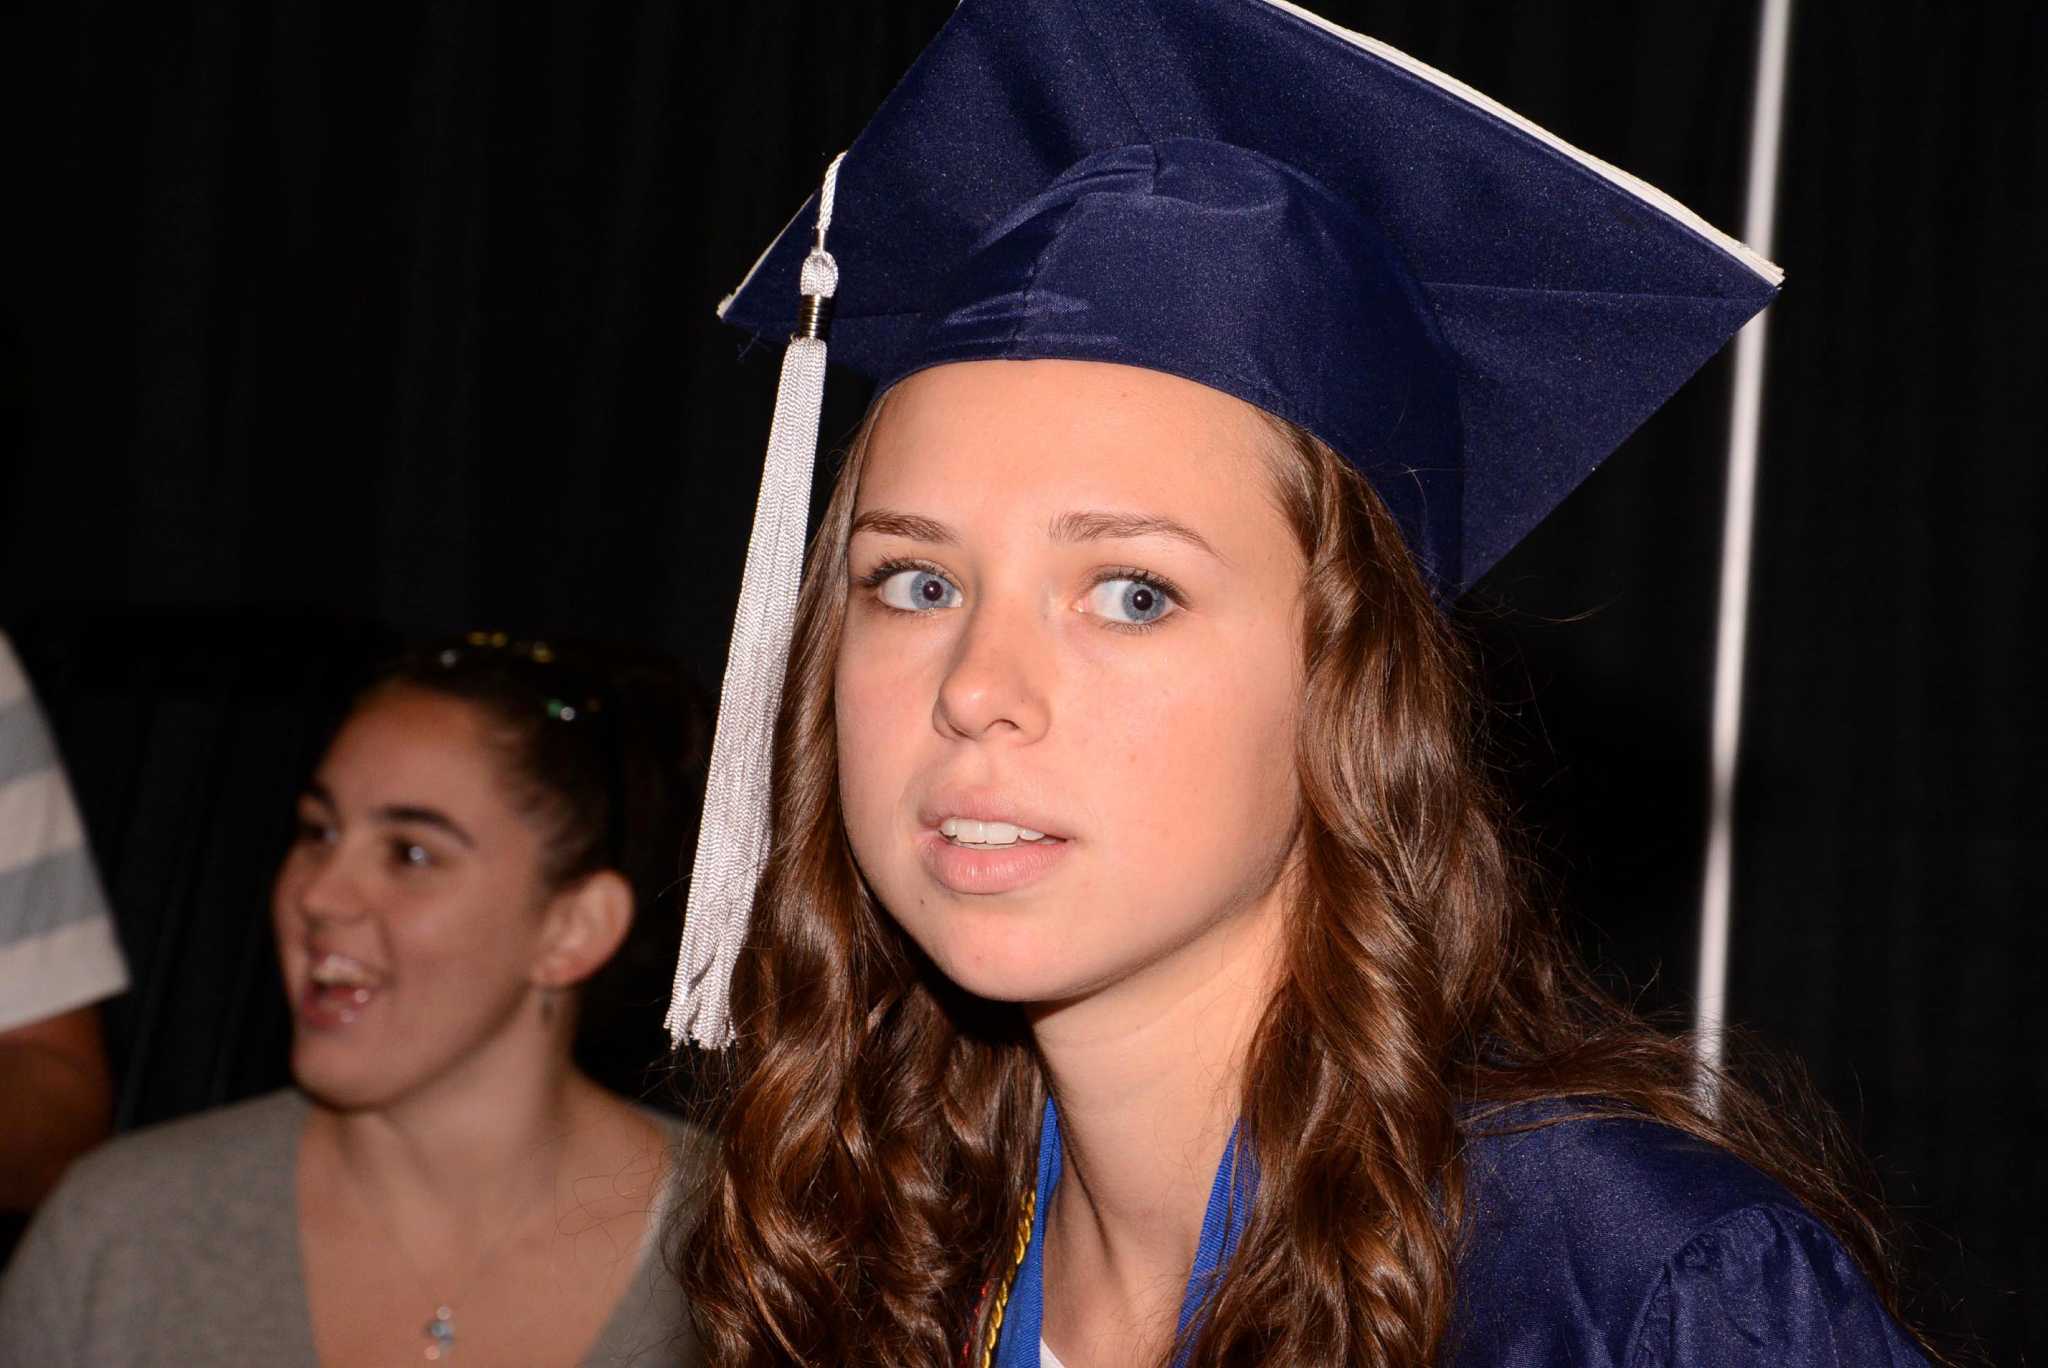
pixel 285 887
pixel 1199 763
pixel 294 873
pixel 881 710
pixel 479 928
pixel 494 921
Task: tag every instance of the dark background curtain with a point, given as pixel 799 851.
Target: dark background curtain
pixel 330 321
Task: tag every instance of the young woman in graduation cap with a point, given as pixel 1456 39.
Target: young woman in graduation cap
pixel 1140 971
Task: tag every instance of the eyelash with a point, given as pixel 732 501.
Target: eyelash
pixel 875 578
pixel 1151 580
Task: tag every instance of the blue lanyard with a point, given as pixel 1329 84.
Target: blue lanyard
pixel 1230 1199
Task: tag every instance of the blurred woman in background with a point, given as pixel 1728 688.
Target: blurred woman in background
pixel 446 1176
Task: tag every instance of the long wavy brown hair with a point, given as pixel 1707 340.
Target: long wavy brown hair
pixel 879 1126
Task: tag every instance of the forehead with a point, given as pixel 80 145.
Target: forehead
pixel 404 744
pixel 1053 435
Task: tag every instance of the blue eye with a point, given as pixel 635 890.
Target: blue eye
pixel 1131 601
pixel 917 591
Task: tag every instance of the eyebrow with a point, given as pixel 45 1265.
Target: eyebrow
pixel 889 523
pixel 1093 526
pixel 1067 527
pixel 405 814
pixel 400 813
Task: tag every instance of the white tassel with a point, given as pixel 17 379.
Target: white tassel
pixel 732 841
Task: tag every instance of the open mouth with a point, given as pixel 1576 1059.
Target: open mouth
pixel 969 834
pixel 980 855
pixel 338 988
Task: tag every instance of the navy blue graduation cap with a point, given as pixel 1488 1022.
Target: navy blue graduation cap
pixel 1239 193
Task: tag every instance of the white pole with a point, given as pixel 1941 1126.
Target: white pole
pixel 1731 640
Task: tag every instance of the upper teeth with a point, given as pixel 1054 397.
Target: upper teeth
pixel 967 831
pixel 340 969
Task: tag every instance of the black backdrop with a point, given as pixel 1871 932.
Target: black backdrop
pixel 327 320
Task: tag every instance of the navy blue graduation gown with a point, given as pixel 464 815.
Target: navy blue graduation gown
pixel 1599 1244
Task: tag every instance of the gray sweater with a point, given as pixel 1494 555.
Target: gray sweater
pixel 180 1245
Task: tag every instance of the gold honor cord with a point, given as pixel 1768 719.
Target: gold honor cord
pixel 994 1331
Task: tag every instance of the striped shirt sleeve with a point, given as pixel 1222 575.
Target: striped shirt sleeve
pixel 57 944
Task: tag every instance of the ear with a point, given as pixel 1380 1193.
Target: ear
pixel 585 923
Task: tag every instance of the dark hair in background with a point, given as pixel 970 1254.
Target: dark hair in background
pixel 603 749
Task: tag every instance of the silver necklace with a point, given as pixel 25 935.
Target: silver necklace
pixel 440 1329
pixel 441 1333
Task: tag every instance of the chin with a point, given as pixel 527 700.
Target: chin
pixel 1019 965
pixel 358 1074
pixel 1021 988
pixel 337 1084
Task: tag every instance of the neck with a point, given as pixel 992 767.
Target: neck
pixel 456 1149
pixel 1148 1077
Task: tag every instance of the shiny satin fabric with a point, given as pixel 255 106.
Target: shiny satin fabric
pixel 1228 191
pixel 1161 242
pixel 1590 1243
pixel 1597 1242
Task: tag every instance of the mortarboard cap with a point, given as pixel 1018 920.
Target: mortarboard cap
pixel 1239 193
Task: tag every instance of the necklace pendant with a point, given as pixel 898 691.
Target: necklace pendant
pixel 441 1330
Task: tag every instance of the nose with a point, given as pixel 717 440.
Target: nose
pixel 321 886
pixel 997 684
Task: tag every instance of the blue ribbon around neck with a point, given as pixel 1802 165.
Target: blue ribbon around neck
pixel 1230 1201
